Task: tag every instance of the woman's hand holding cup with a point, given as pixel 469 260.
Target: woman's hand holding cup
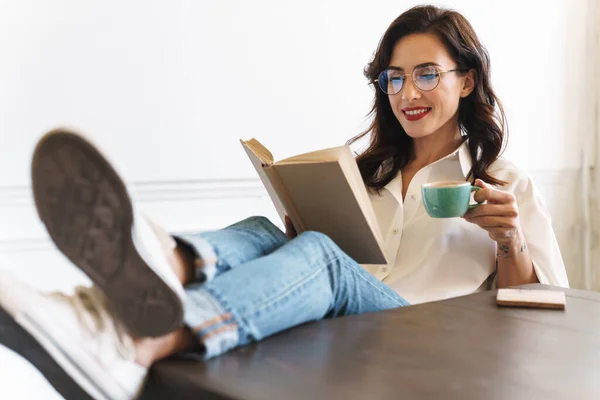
pixel 499 216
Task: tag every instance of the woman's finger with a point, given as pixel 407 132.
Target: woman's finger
pixel 486 221
pixel 491 194
pixel 499 210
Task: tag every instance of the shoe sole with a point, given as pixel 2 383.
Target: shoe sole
pixel 87 211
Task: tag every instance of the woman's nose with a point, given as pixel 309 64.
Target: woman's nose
pixel 409 91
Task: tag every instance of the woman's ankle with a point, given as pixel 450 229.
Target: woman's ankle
pixel 150 350
pixel 182 261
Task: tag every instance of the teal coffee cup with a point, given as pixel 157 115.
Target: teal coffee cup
pixel 448 199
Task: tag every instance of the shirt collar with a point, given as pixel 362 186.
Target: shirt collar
pixel 464 158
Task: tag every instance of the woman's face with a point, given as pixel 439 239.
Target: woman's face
pixel 422 113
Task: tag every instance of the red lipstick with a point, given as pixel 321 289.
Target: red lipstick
pixel 415 113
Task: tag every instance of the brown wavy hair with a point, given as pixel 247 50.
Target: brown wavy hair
pixel 480 114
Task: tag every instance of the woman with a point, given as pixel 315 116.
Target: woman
pixel 436 118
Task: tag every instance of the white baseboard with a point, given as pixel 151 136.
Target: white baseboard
pixel 180 205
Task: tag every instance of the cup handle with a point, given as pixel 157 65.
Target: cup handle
pixel 475 189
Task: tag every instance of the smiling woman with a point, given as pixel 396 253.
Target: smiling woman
pixel 434 102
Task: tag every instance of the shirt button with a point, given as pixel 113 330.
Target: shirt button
pixel 395 231
pixel 412 196
pixel 384 269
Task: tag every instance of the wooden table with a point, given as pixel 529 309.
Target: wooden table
pixel 463 348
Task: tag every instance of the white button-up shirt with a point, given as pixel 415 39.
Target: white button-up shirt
pixel 433 259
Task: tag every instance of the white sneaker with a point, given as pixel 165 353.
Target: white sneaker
pixel 89 215
pixel 80 335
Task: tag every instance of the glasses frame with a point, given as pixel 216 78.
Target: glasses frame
pixel 412 77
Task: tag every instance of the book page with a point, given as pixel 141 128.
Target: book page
pixel 325 200
pixel 260 163
pixel 332 154
pixel 323 191
pixel 259 150
pixel 359 189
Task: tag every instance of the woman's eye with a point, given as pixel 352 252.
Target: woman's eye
pixel 427 76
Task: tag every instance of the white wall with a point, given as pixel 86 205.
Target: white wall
pixel 168 88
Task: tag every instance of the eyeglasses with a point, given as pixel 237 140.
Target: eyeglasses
pixel 425 79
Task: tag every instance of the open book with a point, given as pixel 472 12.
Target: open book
pixel 322 191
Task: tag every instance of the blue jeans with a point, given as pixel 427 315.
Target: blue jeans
pixel 262 283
